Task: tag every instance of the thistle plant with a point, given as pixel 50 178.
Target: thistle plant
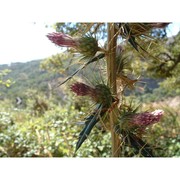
pixel 109 98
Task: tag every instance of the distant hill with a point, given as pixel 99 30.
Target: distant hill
pixel 26 76
pixel 29 76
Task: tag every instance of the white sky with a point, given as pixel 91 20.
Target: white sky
pixel 23 40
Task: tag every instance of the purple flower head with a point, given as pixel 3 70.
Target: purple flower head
pixel 62 39
pixel 86 45
pixel 147 118
pixel 99 94
pixel 82 89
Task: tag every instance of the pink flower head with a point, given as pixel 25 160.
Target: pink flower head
pixel 86 45
pixel 147 118
pixel 81 89
pixel 62 39
pixel 99 94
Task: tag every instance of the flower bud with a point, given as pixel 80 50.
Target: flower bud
pixel 147 118
pixel 62 39
pixel 82 89
pixel 86 45
pixel 100 94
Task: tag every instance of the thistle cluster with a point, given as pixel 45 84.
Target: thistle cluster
pixel 99 94
pixel 86 45
pixel 147 118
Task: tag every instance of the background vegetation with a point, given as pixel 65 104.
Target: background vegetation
pixel 37 120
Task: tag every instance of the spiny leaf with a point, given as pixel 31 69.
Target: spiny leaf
pixel 133 42
pixel 131 38
pixel 86 131
pixel 89 124
pixel 96 58
pixel 139 145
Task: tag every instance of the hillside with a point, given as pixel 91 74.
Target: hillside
pixel 26 75
pixel 29 76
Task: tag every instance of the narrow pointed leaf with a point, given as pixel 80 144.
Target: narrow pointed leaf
pixel 133 42
pixel 96 58
pixel 140 145
pixel 86 131
pixel 89 124
pixel 131 38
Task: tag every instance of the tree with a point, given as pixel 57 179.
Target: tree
pixel 5 82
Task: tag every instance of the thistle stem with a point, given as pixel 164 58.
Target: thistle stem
pixel 111 72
